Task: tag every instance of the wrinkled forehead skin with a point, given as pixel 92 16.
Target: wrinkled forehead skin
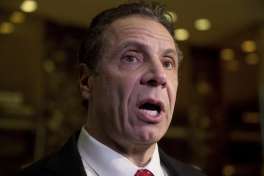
pixel 109 32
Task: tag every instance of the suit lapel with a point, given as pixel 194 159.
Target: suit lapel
pixel 67 161
pixel 169 163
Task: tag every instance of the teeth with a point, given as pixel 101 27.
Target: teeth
pixel 151 112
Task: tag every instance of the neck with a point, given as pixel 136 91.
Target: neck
pixel 139 154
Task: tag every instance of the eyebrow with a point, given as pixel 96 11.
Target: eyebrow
pixel 171 51
pixel 143 46
pixel 132 43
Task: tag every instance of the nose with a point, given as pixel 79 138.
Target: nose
pixel 154 76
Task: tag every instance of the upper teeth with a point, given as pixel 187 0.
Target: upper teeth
pixel 151 112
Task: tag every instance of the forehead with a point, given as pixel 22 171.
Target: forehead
pixel 139 28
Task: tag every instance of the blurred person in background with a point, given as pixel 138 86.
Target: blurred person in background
pixel 129 64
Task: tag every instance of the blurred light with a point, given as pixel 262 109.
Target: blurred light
pixel 202 24
pixel 249 46
pixel 252 59
pixel 29 6
pixel 171 16
pixel 251 117
pixel 229 170
pixel 232 66
pixel 49 66
pixel 17 17
pixel 11 98
pixel 203 87
pixel 181 34
pixel 227 54
pixel 6 28
pixel 196 167
pixel 56 120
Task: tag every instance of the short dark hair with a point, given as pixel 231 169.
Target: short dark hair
pixel 91 48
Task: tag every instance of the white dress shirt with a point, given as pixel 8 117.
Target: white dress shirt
pixel 98 159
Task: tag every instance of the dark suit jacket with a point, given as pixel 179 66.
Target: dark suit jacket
pixel 67 162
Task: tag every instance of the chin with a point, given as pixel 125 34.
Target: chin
pixel 150 137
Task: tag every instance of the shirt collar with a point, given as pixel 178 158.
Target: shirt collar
pixel 105 161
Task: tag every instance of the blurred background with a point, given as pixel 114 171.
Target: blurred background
pixel 220 105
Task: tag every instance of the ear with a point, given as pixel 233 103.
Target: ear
pixel 85 81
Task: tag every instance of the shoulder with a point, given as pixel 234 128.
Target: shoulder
pixel 66 161
pixel 38 168
pixel 178 168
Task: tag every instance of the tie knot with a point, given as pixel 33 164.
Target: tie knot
pixel 143 172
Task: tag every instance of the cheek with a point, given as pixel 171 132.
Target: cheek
pixel 172 92
pixel 118 90
pixel 129 91
pixel 106 94
pixel 127 85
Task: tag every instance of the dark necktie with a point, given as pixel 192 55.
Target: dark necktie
pixel 143 172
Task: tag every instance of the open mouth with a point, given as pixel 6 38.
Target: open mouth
pixel 151 108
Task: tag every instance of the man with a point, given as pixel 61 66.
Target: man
pixel 129 78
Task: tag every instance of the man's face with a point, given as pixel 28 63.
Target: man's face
pixel 133 95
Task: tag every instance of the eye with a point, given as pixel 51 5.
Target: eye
pixel 131 58
pixel 168 63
